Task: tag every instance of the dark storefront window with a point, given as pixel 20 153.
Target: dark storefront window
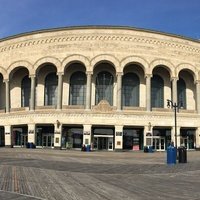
pixel 133 139
pixel 2 137
pixel 72 137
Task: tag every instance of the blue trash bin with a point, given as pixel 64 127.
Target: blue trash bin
pixel 88 148
pixel 171 155
pixel 150 149
pixel 31 145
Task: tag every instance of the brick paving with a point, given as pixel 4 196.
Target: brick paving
pixel 74 175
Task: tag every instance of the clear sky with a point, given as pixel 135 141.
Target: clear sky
pixel 180 17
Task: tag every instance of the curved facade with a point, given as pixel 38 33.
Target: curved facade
pixel 103 86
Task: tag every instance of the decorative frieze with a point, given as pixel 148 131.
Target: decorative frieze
pixel 98 36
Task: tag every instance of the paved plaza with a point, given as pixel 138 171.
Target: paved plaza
pixel 52 174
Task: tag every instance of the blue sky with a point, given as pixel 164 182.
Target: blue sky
pixel 180 17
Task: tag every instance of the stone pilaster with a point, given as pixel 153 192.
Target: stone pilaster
pixel 87 134
pixel 174 89
pixel 177 137
pixel 8 136
pixel 118 137
pixel 88 90
pixel 57 134
pixel 198 96
pixel 197 136
pixel 148 132
pixel 119 91
pixel 32 102
pixel 7 95
pixel 148 91
pixel 60 88
pixel 31 133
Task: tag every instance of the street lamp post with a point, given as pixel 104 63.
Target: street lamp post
pixel 176 107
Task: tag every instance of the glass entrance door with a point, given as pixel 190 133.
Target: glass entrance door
pixel 184 142
pixel 187 142
pixel 159 143
pixel 110 144
pixel 48 141
pixel 103 143
pixel 24 140
pixel 20 139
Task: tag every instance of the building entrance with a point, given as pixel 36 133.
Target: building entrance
pixel 20 136
pixel 45 136
pixel 160 139
pixel 188 138
pixel 103 138
pixel 159 143
pixel 48 140
pixel 2 137
pixel 103 143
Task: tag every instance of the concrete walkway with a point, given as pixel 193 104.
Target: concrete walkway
pixel 74 175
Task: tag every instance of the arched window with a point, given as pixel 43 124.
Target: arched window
pixel 157 92
pixel 25 91
pixel 77 89
pixel 130 90
pixel 181 92
pixel 104 87
pixel 51 83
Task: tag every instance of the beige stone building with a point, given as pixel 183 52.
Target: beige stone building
pixel 101 86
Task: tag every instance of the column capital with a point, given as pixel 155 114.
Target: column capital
pixel 32 76
pixel 174 78
pixel 148 75
pixel 89 73
pixel 87 126
pixel 119 73
pixel 197 82
pixel 60 73
pixel 5 80
pixel 119 128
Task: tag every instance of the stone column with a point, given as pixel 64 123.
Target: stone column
pixel 31 133
pixel 198 96
pixel 174 89
pixel 197 136
pixel 32 102
pixel 118 137
pixel 119 91
pixel 148 132
pixel 178 136
pixel 60 88
pixel 57 134
pixel 88 91
pixel 7 95
pixel 87 135
pixel 148 92
pixel 8 136
pixel 173 135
